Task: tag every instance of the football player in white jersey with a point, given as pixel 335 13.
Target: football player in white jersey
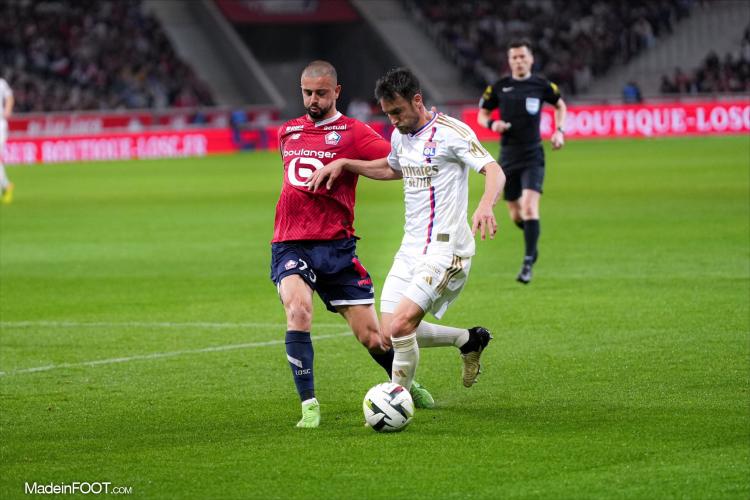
pixel 432 153
pixel 6 99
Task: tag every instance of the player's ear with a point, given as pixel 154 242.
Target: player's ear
pixel 417 100
pixel 337 91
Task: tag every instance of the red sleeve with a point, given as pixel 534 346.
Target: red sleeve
pixel 370 145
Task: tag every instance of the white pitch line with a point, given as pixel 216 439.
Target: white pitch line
pixel 146 324
pixel 160 355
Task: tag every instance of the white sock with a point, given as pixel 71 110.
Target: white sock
pixel 405 360
pixel 3 177
pixel 431 335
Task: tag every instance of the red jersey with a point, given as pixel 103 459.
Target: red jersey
pixel 306 146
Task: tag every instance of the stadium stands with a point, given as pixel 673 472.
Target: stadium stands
pixel 574 40
pixel 731 74
pixel 92 54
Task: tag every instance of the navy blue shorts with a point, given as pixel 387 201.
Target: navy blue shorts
pixel 331 268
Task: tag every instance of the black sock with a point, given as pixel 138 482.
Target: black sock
pixel 519 223
pixel 299 353
pixel 384 359
pixel 531 232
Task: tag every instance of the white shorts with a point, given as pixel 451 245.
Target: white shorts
pixel 433 282
pixel 3 133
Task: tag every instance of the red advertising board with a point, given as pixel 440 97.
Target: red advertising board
pixel 124 146
pixel 640 120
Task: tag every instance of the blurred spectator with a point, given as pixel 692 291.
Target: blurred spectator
pixel 631 93
pixel 92 54
pixel 359 109
pixel 731 74
pixel 574 40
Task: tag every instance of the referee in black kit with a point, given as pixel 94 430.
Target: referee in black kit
pixel 520 98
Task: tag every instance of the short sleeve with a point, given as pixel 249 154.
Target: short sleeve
pixel 370 145
pixel 551 93
pixel 469 151
pixel 392 155
pixel 489 99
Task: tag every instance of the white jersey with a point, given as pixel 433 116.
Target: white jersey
pixel 5 94
pixel 435 162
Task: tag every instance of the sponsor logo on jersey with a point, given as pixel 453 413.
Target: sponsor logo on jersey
pixel 507 89
pixel 333 138
pixel 290 264
pixel 309 152
pixel 296 136
pixel 533 104
pixel 335 127
pixel 294 128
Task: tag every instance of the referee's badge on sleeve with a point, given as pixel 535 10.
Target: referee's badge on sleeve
pixel 532 105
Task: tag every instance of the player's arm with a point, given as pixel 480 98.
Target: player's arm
pixel 558 136
pixel 374 169
pixel 484 217
pixel 8 106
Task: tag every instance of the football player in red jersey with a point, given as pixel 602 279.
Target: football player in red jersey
pixel 314 247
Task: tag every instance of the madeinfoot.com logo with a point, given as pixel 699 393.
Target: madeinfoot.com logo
pixel 76 488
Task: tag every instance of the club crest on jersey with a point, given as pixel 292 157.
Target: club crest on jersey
pixel 532 105
pixel 290 264
pixel 430 149
pixel 333 138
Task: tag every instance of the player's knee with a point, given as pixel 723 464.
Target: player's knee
pixel 400 326
pixel 299 313
pixel 529 211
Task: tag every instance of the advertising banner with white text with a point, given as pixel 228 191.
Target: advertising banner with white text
pixel 639 120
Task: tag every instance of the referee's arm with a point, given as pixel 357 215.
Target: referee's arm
pixel 558 136
pixel 484 120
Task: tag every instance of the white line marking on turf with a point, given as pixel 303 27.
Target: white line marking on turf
pixel 160 355
pixel 147 324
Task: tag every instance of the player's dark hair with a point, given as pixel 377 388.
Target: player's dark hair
pixel 520 42
pixel 397 82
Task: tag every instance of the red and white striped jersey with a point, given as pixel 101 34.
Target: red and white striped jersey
pixel 306 146
pixel 435 162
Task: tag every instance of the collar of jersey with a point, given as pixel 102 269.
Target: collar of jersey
pixel 328 120
pixel 424 127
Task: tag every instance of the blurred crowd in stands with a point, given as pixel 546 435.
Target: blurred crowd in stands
pixel 92 54
pixel 730 74
pixel 574 40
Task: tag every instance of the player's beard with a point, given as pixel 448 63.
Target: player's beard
pixel 320 113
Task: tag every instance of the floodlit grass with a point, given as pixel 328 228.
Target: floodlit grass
pixel 141 341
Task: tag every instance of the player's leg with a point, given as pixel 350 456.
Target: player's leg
pixel 403 325
pixel 296 295
pixel 291 271
pixel 363 321
pixel 532 180
pixel 6 187
pixel 398 280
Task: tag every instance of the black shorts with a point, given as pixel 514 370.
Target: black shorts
pixel 331 268
pixel 523 169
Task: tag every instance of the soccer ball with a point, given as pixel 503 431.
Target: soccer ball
pixel 388 407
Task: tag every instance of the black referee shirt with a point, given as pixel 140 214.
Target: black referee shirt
pixel 520 103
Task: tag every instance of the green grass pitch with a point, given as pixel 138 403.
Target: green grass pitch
pixel 141 339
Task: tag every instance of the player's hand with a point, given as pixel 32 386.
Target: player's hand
pixel 484 221
pixel 557 139
pixel 500 126
pixel 326 175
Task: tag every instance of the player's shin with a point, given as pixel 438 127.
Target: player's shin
pixel 299 353
pixel 432 335
pixel 405 359
pixel 384 359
